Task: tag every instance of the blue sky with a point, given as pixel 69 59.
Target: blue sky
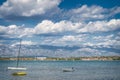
pixel 60 28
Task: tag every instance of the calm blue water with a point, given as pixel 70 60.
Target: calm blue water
pixel 52 70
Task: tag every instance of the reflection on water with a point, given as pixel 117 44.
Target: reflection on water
pixel 52 70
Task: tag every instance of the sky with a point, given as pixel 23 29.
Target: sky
pixel 60 28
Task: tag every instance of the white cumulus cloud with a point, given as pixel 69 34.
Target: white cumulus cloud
pixel 48 26
pixel 14 31
pixel 87 13
pixel 104 26
pixel 27 7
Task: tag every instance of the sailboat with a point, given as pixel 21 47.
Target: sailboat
pixel 17 65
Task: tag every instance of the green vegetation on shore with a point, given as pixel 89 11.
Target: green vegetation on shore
pixel 65 59
pixel 87 58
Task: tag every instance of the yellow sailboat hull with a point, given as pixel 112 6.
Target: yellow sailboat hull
pixel 19 73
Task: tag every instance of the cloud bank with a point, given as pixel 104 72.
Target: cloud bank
pixel 49 9
pixel 47 26
pixel 82 31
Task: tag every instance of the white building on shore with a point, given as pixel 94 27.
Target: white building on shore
pixel 41 58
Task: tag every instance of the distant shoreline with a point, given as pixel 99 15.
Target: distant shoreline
pixel 98 58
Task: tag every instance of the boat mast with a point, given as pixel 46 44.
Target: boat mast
pixel 19 53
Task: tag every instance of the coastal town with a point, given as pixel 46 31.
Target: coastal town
pixel 44 58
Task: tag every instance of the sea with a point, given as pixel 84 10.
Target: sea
pixel 53 70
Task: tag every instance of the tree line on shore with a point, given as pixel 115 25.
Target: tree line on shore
pixel 66 58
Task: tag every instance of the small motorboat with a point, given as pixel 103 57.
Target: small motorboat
pixel 68 69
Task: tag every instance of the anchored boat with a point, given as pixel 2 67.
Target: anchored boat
pixel 17 65
pixel 68 69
